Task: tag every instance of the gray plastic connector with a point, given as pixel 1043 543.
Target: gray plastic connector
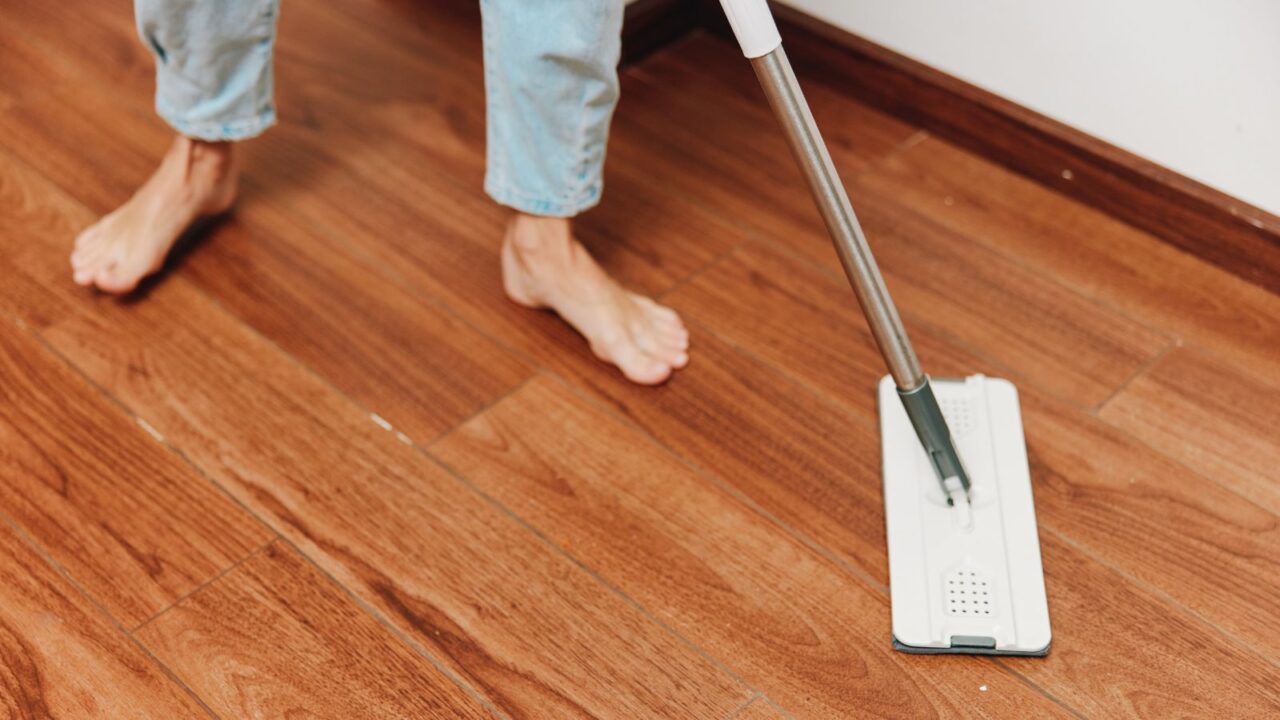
pixel 926 417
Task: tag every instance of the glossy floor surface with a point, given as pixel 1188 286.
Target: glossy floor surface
pixel 325 469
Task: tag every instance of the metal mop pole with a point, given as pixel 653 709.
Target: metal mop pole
pixel 753 24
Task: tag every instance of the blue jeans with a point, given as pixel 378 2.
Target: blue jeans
pixel 551 85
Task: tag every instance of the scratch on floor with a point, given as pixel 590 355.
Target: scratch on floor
pixel 382 423
pixel 154 433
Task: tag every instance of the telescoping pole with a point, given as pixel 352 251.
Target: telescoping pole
pixel 757 34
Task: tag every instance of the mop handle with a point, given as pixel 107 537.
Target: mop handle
pixel 757 33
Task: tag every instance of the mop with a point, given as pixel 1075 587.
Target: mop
pixel 964 557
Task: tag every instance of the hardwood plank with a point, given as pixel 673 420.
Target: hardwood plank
pixel 38 220
pixel 522 624
pixel 1099 483
pixel 1082 248
pixel 412 363
pixel 1119 652
pixel 1028 327
pixel 1241 238
pixel 790 622
pixel 697 72
pixel 409 361
pixel 133 524
pixel 40 55
pixel 1201 545
pixel 789 314
pixel 107 161
pixel 1208 415
pixel 1023 319
pixel 60 658
pixel 276 638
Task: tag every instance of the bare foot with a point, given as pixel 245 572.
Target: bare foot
pixel 543 266
pixel 196 179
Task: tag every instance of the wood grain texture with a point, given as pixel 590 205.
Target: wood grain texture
pixel 411 362
pixel 1212 418
pixel 1122 652
pixel 1084 249
pixel 1225 231
pixel 131 522
pixel 522 624
pixel 1043 330
pixel 675 551
pixel 61 659
pixel 1207 548
pixel 36 58
pixel 38 219
pixel 275 638
pixel 1100 482
pixel 788 621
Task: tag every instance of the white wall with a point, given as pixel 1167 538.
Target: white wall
pixel 1193 85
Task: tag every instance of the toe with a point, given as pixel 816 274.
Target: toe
pixel 638 366
pixel 87 264
pixel 646 370
pixel 87 235
pixel 675 336
pixel 87 251
pixel 116 279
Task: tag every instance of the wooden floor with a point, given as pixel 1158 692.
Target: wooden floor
pixel 325 469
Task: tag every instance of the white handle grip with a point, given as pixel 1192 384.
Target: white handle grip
pixel 752 23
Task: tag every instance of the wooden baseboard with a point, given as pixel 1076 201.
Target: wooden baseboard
pixel 1212 225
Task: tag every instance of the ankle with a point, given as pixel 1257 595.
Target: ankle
pixel 538 235
pixel 213 159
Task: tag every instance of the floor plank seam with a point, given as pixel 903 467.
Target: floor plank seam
pixel 797 534
pixel 1174 343
pixel 1124 432
pixel 410 643
pixel 741 708
pixel 693 275
pixel 422 291
pixel 430 299
pixel 716 481
pixel 590 571
pixel 224 572
pixel 912 319
pixel 1170 601
pixel 425 452
pixel 369 610
pixel 103 612
pixel 1004 663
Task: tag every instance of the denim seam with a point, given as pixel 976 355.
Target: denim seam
pixel 496 169
pixel 579 170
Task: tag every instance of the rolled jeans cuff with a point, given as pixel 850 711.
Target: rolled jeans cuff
pixel 213 131
pixel 534 205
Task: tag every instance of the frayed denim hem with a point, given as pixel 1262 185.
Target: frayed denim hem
pixel 541 206
pixel 221 132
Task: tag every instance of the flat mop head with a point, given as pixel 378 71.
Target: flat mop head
pixel 964 577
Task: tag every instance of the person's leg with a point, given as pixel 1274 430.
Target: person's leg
pixel 213 86
pixel 551 84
